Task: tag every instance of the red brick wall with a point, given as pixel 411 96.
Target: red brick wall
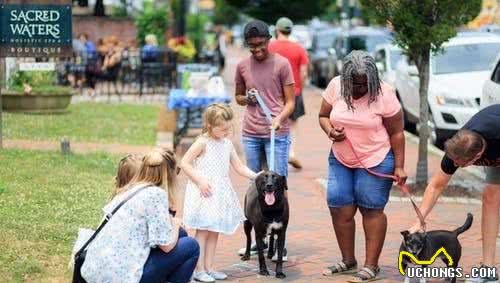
pixel 98 27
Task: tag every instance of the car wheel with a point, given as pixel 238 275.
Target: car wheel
pixel 436 135
pixel 408 125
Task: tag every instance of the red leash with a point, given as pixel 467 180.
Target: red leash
pixel 403 187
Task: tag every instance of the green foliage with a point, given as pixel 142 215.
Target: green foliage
pixel 196 28
pixel 42 82
pixel 46 197
pixel 331 12
pixel 88 122
pixel 423 25
pixel 120 11
pixel 225 14
pixel 270 10
pixel 152 20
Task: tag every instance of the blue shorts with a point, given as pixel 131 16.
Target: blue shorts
pixel 255 147
pixel 355 186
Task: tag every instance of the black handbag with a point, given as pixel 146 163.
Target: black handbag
pixel 80 255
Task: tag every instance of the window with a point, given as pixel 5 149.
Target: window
pixel 380 59
pixel 496 74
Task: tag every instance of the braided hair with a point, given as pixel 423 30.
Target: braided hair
pixel 359 63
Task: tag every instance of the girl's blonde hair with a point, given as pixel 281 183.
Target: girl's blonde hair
pixel 214 114
pixel 158 168
pixel 127 168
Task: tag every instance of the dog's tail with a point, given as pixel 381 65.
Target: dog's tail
pixel 466 226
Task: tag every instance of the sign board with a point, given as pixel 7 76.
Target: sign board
pixel 35 28
pixel 35 66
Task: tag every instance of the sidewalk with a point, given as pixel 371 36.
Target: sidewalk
pixel 310 238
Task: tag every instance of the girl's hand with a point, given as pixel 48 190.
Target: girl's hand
pixel 205 189
pixel 400 175
pixel 256 174
pixel 336 134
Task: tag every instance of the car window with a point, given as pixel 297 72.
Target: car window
pixel 367 43
pixel 465 58
pixel 496 74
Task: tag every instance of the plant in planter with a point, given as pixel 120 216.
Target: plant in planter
pixel 35 91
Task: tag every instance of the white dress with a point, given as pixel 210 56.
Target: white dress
pixel 221 212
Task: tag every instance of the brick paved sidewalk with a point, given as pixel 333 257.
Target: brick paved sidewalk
pixel 310 239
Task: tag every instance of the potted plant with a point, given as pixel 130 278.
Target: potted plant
pixel 35 91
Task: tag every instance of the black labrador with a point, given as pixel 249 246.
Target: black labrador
pixel 424 245
pixel 267 212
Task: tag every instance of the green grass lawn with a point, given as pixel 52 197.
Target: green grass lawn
pixel 44 198
pixel 88 122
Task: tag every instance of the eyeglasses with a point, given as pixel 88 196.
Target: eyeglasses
pixel 257 46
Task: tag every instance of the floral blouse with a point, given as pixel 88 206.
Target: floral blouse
pixel 120 250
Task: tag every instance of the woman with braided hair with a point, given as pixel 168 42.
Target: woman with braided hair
pixel 362 117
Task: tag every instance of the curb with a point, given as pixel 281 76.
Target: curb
pixel 457 200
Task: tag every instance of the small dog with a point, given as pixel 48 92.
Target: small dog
pixel 424 245
pixel 267 212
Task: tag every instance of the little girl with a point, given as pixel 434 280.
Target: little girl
pixel 211 206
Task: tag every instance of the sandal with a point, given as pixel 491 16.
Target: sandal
pixel 366 274
pixel 340 268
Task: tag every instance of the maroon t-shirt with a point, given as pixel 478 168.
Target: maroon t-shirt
pixel 269 77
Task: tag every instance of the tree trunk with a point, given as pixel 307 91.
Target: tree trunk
pixel 99 8
pixel 423 74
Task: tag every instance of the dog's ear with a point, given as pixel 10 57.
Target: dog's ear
pixel 405 234
pixel 283 183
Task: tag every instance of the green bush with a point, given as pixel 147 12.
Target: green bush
pixel 41 82
pixel 152 20
pixel 196 28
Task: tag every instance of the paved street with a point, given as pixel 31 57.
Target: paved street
pixel 310 239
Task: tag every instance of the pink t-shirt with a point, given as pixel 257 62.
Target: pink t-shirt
pixel 268 77
pixel 363 127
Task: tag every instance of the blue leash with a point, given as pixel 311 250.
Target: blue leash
pixel 267 112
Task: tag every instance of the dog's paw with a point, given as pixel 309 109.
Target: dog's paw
pixel 280 275
pixel 264 272
pixel 245 257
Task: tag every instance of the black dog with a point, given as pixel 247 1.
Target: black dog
pixel 266 210
pixel 424 245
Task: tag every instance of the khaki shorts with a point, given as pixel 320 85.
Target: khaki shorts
pixel 493 175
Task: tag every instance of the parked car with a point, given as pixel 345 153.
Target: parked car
pixel 387 57
pixel 491 28
pixel 359 38
pixel 302 35
pixel 491 87
pixel 455 81
pixel 321 69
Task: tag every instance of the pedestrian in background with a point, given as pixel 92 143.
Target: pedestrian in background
pixel 297 56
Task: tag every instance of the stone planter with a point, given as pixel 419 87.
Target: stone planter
pixel 47 103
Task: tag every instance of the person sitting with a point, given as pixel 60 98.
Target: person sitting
pixel 150 51
pixel 141 242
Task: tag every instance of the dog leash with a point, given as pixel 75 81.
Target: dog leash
pixel 404 187
pixel 267 112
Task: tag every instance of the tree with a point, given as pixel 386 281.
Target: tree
pixel 421 27
pixel 270 10
pixel 152 20
pixel 225 14
pixel 99 8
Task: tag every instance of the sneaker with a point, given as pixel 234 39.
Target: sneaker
pixel 253 249
pixel 217 275
pixel 493 279
pixel 275 256
pixel 203 276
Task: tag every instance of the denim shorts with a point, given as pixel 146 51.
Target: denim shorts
pixel 355 186
pixel 255 148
